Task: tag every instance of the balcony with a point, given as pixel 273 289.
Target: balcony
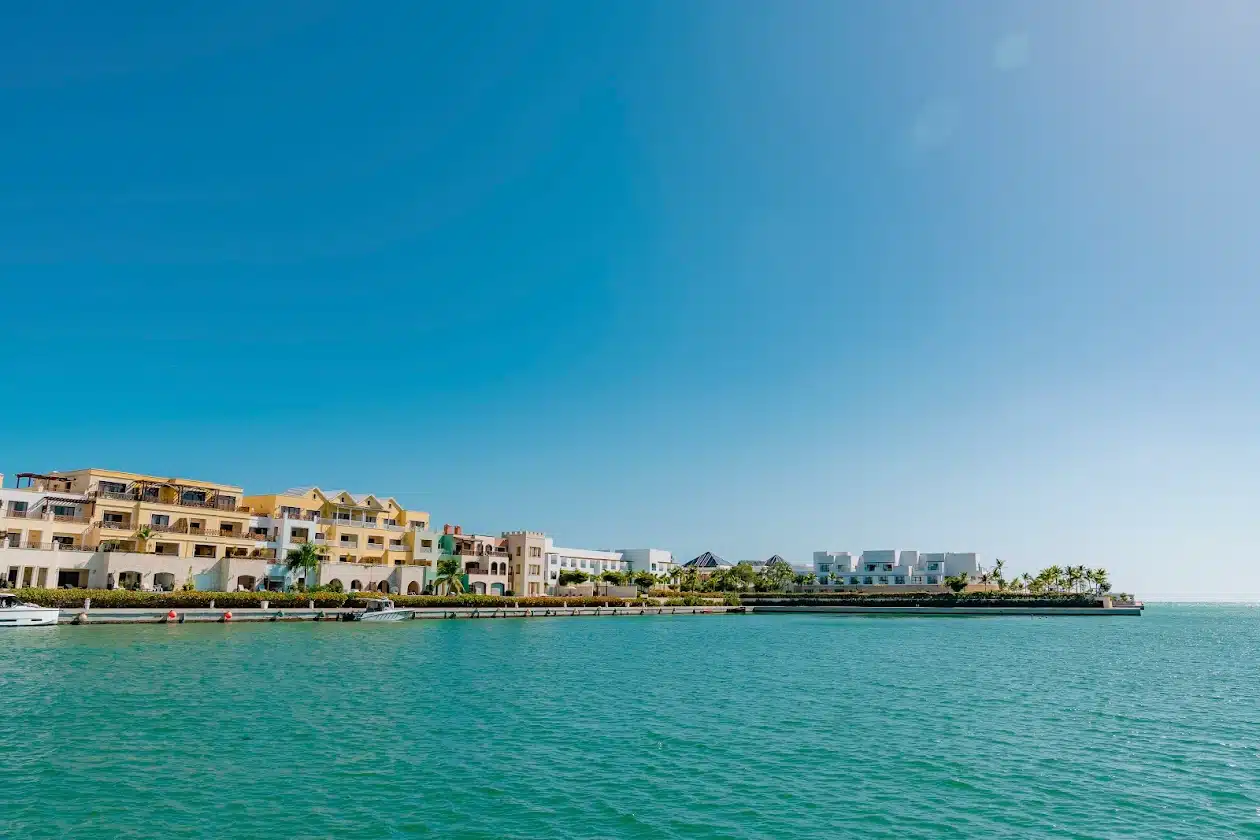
pixel 348 523
pixel 117 495
pixel 117 526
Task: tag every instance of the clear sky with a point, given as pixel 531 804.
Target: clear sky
pixel 751 277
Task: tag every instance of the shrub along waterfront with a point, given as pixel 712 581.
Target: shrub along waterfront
pixel 123 598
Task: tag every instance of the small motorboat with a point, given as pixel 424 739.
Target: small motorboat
pixel 14 613
pixel 383 609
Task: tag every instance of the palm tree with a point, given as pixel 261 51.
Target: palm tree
pixel 675 576
pixel 142 536
pixel 449 575
pixel 1053 577
pixel 1098 577
pixel 998 566
pixel 306 557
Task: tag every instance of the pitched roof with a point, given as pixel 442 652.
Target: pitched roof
pixel 776 560
pixel 708 560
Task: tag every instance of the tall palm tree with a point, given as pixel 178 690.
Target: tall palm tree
pixel 1098 577
pixel 998 566
pixel 449 578
pixel 1053 577
pixel 306 558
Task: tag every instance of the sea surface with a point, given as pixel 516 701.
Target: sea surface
pixel 708 726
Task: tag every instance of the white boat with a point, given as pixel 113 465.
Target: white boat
pixel 14 613
pixel 383 609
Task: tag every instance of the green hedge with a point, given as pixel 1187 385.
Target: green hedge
pixel 926 599
pixel 493 601
pixel 111 598
pixel 118 598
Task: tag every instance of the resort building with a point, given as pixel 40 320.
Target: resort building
pixel 483 559
pixel 526 550
pixel 887 567
pixel 105 528
pixel 828 563
pixel 369 542
pixel 592 561
pixel 657 561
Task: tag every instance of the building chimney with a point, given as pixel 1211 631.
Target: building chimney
pixel 458 530
pixel 446 529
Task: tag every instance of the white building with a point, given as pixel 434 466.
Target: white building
pixel 889 567
pixel 827 563
pixel 593 562
pixel 654 560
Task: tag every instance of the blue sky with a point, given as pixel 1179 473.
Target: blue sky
pixel 749 277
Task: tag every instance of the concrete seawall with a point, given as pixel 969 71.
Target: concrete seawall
pixel 960 611
pixel 162 616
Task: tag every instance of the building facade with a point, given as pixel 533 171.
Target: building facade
pixel 888 567
pixel 657 561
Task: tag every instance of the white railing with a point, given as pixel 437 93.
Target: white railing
pixel 348 523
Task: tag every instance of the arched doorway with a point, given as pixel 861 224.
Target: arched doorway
pixel 336 585
pixel 478 588
pixel 164 581
pixel 129 580
pixel 384 587
pixel 246 583
pixel 413 588
pixel 356 586
pixel 496 589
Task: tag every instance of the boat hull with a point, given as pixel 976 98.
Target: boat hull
pixel 29 617
pixel 385 615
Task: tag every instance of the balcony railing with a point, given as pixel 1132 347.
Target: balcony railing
pixel 117 526
pixel 67 517
pixel 350 523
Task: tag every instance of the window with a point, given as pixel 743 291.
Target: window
pixel 196 526
pixel 899 579
pixel 112 487
pixel 866 580
pixel 533 588
pixel 63 542
pixel 396 544
pixel 518 551
pixel 114 518
pixel 344 558
pixel 391 521
pixel 17 507
pixel 535 569
pixel 371 519
pixel 535 551
pixel 159 519
pixel 291 512
pixel 64 510
pixel 823 568
pixel 203 551
pixel 426 543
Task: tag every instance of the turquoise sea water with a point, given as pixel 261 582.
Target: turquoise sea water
pixel 735 726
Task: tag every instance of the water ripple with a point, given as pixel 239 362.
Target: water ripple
pixel 741 726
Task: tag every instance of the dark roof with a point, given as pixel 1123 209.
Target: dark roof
pixel 776 560
pixel 708 560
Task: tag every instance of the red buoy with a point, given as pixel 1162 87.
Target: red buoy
pixel 171 615
pixel 227 616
